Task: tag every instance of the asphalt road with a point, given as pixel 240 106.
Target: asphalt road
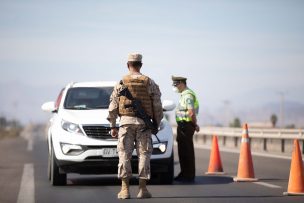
pixel 23 178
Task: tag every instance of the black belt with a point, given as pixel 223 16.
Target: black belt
pixel 183 123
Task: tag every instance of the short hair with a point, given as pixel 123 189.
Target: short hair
pixel 135 64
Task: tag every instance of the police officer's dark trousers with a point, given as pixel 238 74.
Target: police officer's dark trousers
pixel 185 132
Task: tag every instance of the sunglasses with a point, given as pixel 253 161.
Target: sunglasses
pixel 175 84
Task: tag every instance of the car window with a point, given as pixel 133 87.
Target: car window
pixel 88 98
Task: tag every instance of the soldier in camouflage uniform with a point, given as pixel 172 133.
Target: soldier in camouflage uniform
pixel 131 128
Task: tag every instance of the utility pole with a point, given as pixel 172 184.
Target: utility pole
pixel 226 107
pixel 282 94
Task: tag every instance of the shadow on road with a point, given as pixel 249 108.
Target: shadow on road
pixel 219 196
pixel 98 180
pixel 93 181
pixel 113 180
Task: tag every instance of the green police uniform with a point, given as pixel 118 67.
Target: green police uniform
pixel 185 132
pixel 187 101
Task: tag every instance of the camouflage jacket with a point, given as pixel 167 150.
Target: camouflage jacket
pixel 155 96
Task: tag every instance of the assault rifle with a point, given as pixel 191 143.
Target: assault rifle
pixel 139 111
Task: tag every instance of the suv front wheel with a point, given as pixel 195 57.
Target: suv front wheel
pixel 166 178
pixel 55 176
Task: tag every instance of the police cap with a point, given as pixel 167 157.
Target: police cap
pixel 177 79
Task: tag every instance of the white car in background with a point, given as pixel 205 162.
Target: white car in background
pixel 79 139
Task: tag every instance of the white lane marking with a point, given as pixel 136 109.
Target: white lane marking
pixel 27 134
pixel 263 154
pixel 30 145
pixel 270 155
pixel 267 184
pixel 27 186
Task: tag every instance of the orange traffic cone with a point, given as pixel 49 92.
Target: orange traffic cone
pixel 296 176
pixel 245 169
pixel 215 163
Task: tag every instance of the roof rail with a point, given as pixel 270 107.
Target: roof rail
pixel 70 84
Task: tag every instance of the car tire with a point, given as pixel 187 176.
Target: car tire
pixel 167 177
pixel 56 177
pixel 49 164
pixel 49 167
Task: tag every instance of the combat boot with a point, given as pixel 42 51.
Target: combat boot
pixel 143 191
pixel 124 192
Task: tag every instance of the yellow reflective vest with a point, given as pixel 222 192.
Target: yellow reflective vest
pixel 187 101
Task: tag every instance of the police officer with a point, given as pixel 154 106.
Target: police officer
pixel 131 128
pixel 186 118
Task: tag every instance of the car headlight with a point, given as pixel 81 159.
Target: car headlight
pixel 71 127
pixel 159 148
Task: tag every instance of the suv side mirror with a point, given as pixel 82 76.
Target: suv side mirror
pixel 48 106
pixel 168 105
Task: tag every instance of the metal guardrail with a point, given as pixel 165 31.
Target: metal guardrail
pixel 254 132
pixel 261 139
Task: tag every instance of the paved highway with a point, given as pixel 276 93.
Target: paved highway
pixel 23 178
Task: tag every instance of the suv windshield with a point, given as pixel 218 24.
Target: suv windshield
pixel 88 98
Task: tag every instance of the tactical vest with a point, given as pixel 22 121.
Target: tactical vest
pixel 181 113
pixel 139 89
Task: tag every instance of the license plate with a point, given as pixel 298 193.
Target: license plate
pixel 109 152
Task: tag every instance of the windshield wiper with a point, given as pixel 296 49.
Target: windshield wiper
pixel 102 107
pixel 80 107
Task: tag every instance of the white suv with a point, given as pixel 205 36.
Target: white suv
pixel 79 139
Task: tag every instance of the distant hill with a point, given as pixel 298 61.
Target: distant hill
pixel 293 114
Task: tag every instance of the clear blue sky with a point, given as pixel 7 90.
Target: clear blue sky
pixel 236 50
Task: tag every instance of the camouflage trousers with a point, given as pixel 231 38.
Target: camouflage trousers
pixel 130 136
